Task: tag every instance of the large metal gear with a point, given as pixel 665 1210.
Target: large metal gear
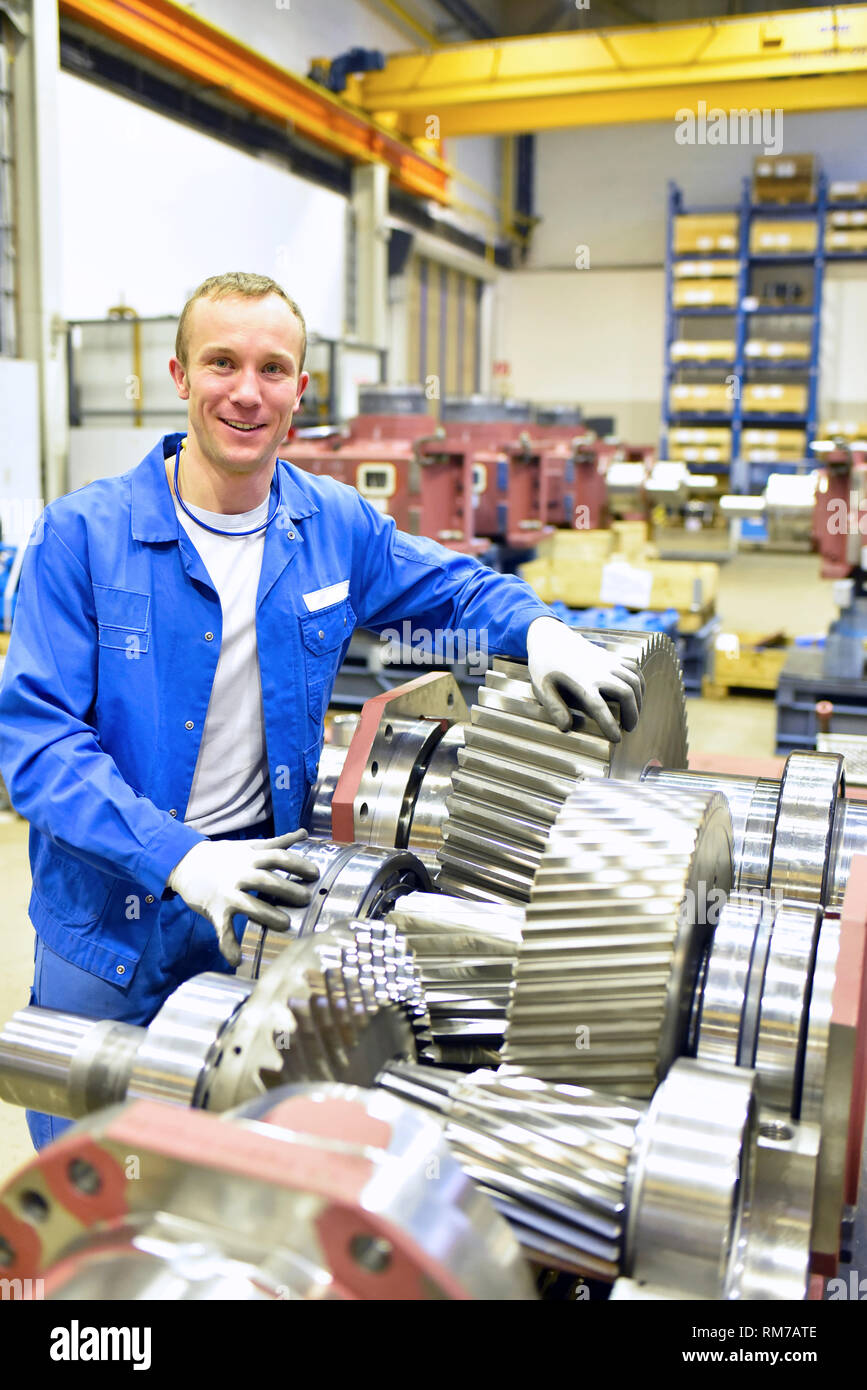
pixel 620 913
pixel 517 768
pixel 333 1007
pixel 595 1183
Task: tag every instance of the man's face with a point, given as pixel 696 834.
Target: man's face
pixel 241 379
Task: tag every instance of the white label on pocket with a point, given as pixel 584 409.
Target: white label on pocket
pixel 323 598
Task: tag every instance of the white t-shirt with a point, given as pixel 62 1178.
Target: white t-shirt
pixel 231 788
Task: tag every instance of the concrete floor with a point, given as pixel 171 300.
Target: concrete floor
pixel 757 592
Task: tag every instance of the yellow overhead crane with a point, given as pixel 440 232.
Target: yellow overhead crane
pixel 171 36
pixel 799 60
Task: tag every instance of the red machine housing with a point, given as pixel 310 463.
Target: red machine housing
pixel 840 511
pixel 509 484
pixel 397 462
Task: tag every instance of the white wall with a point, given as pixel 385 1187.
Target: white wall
pixel 589 336
pixel 605 186
pixel 163 206
pixel 20 488
pixel 479 157
pixel 596 336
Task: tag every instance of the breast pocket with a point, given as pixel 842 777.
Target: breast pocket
pixel 124 617
pixel 324 635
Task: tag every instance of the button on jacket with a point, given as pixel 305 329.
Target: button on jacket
pixel 112 659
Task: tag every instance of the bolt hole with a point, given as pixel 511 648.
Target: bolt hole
pixel 34 1206
pixel 7 1254
pixel 371 1252
pixel 374 769
pixel 773 1129
pixel 363 811
pixel 237 1051
pixel 84 1176
pixel 450 698
pixel 388 733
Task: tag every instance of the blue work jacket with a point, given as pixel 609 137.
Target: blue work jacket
pixel 112 658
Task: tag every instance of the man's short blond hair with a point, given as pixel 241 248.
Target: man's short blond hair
pixel 238 282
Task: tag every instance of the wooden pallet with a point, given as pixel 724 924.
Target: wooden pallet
pixel 713 690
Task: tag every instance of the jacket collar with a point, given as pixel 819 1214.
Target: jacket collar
pixel 153 509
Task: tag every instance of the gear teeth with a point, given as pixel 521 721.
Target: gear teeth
pixel 464 958
pixel 619 916
pixel 332 1006
pixel 555 1160
pixel 517 769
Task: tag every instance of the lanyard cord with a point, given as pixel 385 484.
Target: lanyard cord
pixel 214 529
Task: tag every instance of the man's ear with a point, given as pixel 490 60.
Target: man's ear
pixel 179 377
pixel 303 381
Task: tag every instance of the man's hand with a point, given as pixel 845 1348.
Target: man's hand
pixel 559 656
pixel 212 878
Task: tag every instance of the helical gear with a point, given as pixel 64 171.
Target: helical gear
pixel 518 768
pixel 620 912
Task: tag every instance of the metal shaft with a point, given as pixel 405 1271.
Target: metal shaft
pixel 63 1064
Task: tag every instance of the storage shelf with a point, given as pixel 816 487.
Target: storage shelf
pixel 778 309
pixel 745 320
pixel 713 311
pixel 781 364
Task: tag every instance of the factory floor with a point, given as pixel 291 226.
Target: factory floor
pixel 757 591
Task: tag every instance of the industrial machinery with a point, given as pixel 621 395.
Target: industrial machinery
pixel 394 454
pixel 840 514
pixel 786 510
pixel 614 1007
pixel 509 480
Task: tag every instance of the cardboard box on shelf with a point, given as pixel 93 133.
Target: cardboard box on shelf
pixel 851 239
pixel 847 217
pixel 705 270
pixel 772 454
pixel 699 453
pixel 772 348
pixel 703 349
pixel 783 439
pixel 774 398
pixel 705 231
pixel 717 294
pixel 841 191
pixel 711 397
pixel 843 429
pixel 700 434
pixel 771 235
pixel 784 178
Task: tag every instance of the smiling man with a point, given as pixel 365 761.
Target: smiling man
pixel 177 636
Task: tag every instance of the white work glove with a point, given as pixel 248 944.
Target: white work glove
pixel 212 878
pixel 559 656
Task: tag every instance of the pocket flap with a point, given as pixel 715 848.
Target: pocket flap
pixel 328 628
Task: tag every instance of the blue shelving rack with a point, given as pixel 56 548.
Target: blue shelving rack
pixel 676 208
pixel 745 476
